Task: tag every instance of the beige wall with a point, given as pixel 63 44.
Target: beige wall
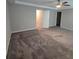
pixel 8 28
pixel 46 19
pixel 67 19
pixel 39 18
pixel 42 18
pixel 22 18
pixel 52 19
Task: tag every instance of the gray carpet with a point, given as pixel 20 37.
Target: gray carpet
pixel 52 43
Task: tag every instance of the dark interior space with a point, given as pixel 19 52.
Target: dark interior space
pixel 58 19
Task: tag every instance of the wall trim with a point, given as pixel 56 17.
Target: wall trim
pixel 31 4
pixel 52 26
pixel 67 28
pixel 23 30
pixel 7 46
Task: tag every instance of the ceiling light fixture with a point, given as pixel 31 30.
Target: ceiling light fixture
pixel 58 6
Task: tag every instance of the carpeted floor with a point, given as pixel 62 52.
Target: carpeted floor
pixel 52 43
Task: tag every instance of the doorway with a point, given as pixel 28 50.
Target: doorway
pixel 58 23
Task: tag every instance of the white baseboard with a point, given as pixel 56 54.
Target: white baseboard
pixel 67 28
pixel 23 30
pixel 7 42
pixel 52 26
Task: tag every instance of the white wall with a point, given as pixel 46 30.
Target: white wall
pixel 46 18
pixel 42 18
pixel 53 17
pixel 8 28
pixel 67 19
pixel 39 18
pixel 22 18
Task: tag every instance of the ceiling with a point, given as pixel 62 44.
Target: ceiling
pixel 44 3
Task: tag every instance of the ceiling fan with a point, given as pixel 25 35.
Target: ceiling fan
pixel 61 4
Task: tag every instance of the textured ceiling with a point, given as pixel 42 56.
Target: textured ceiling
pixel 48 3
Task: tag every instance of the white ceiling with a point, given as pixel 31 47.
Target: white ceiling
pixel 44 3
